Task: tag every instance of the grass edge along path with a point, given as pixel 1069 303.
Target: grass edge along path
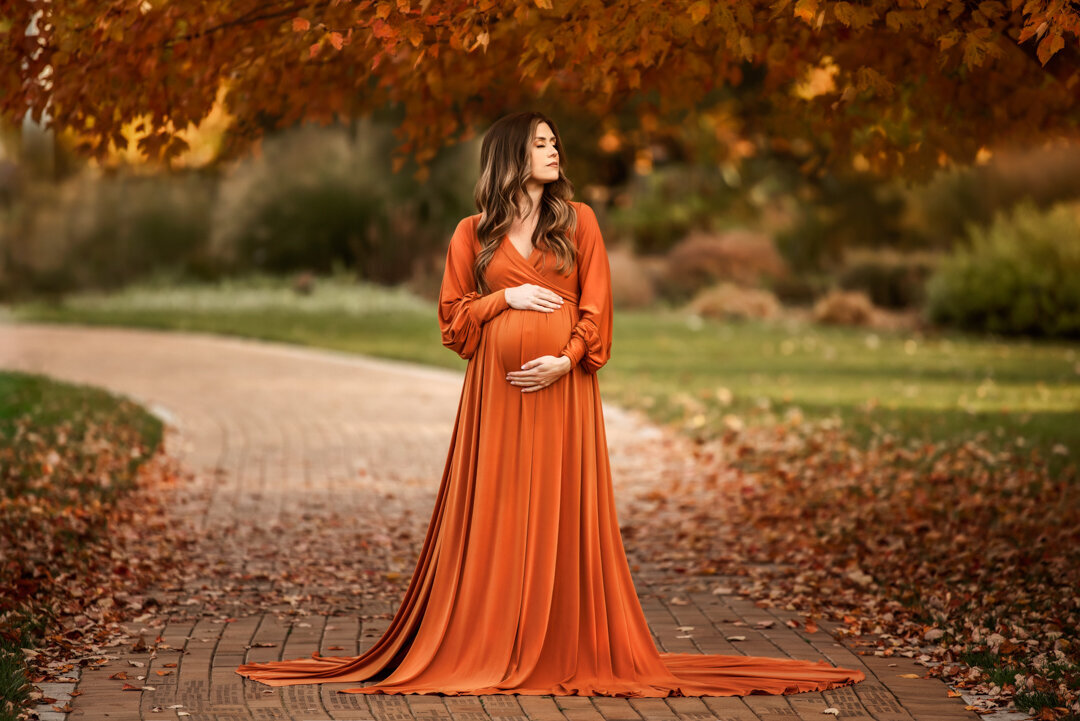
pixel 81 528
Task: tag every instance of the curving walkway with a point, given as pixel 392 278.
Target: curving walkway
pixel 312 474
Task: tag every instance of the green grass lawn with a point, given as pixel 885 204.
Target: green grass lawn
pixel 703 375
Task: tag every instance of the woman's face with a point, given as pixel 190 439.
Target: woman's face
pixel 544 156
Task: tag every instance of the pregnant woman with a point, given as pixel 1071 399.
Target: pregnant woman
pixel 522 585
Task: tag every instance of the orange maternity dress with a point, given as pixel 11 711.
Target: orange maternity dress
pixel 522 585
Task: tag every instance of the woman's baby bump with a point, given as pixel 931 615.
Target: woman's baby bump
pixel 517 336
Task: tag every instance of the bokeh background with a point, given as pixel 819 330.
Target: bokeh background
pixel 845 251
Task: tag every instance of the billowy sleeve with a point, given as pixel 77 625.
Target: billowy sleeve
pixel 462 310
pixel 590 339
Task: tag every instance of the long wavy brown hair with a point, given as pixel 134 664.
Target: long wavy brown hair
pixel 504 168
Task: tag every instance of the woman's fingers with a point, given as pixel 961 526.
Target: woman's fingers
pixel 546 304
pixel 542 298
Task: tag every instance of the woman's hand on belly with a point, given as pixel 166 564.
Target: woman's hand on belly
pixel 540 372
pixel 533 297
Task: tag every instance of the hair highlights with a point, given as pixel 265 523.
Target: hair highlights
pixel 504 169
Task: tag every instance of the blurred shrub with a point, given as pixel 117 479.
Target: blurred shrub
pixel 632 286
pixel 727 300
pixel 844 307
pixel 658 209
pixel 1021 275
pixel 701 259
pixel 800 288
pixel 892 279
pixel 91 232
pixel 836 214
pixel 317 196
pixel 303 203
pixel 425 280
pixel 939 212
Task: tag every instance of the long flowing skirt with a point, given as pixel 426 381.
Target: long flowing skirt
pixel 523 585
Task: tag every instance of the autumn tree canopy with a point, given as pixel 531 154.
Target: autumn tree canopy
pixel 893 86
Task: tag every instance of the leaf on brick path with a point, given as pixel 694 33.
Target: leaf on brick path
pixel 130 687
pixel 120 675
pixel 764 624
pixel 810 626
pixel 832 710
pixel 163 673
pixel 171 664
pixel 137 664
pixel 909 675
pixel 335 648
pixel 735 638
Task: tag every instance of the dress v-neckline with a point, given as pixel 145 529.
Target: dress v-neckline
pixel 506 239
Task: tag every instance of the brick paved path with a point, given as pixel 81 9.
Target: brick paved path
pixel 313 475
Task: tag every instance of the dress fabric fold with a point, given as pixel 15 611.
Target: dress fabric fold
pixel 522 585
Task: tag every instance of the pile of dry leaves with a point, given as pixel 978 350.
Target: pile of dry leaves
pixel 82 529
pixel 962 558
